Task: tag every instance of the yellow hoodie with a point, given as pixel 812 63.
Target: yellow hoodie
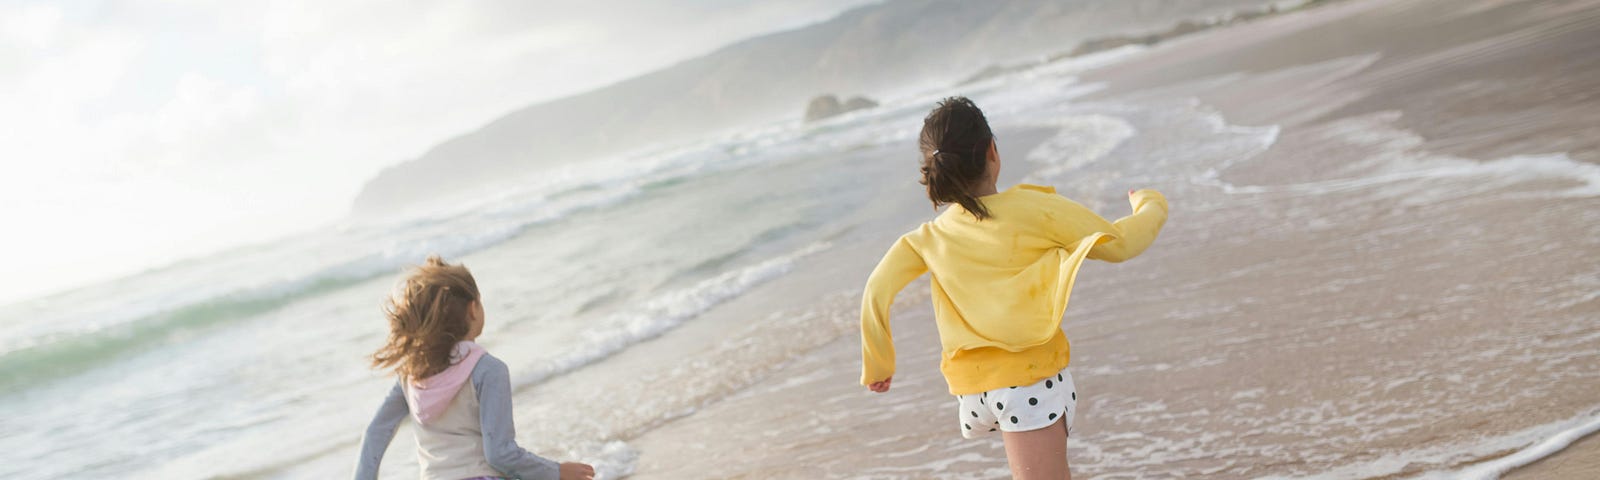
pixel 1000 285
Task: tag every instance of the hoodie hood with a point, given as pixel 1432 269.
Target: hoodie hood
pixel 429 397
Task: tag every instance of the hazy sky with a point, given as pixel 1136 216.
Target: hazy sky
pixel 138 132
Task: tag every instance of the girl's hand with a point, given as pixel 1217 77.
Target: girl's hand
pixel 882 386
pixel 576 471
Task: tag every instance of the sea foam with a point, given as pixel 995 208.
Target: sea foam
pixel 1526 446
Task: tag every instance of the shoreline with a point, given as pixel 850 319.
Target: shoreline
pixel 1354 288
pixel 1546 448
pixel 1578 459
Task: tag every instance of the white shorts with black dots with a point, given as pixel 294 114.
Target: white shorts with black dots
pixel 1020 408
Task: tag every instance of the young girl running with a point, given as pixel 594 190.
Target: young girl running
pixel 1003 264
pixel 459 395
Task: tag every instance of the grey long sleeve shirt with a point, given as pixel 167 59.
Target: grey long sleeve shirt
pixel 492 382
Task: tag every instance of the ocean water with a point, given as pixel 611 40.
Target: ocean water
pixel 628 293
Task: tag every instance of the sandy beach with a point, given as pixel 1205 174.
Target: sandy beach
pixel 1399 282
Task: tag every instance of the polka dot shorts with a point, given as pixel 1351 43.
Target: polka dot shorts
pixel 1020 408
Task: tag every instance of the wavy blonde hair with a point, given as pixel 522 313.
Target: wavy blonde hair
pixel 428 315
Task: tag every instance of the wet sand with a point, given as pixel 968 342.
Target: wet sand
pixel 1484 81
pixel 1403 283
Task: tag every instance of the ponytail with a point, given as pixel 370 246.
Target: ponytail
pixel 955 143
pixel 946 174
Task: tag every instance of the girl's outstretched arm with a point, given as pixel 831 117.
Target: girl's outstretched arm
pixel 1136 231
pixel 493 382
pixel 1130 235
pixel 899 267
pixel 380 431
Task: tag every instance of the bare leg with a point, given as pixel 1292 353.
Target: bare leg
pixel 1038 454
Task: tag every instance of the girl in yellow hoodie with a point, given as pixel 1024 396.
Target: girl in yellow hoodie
pixel 1002 265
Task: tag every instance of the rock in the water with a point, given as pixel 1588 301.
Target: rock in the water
pixel 828 105
pixel 822 107
pixel 858 103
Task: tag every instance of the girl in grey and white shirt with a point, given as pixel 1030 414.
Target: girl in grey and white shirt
pixel 458 394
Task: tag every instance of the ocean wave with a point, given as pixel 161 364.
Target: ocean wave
pixel 716 263
pixel 1080 141
pixel 1397 156
pixel 1445 461
pixel 1566 433
pixel 110 326
pixel 617 332
pixel 1503 171
pixel 74 353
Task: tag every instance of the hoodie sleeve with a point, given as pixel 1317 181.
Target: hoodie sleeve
pixel 493 382
pixel 380 431
pixel 899 267
pixel 1131 234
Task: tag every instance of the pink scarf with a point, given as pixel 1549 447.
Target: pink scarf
pixel 429 397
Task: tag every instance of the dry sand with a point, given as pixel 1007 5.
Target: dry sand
pixel 1382 293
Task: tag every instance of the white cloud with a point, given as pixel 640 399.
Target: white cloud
pixel 33 26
